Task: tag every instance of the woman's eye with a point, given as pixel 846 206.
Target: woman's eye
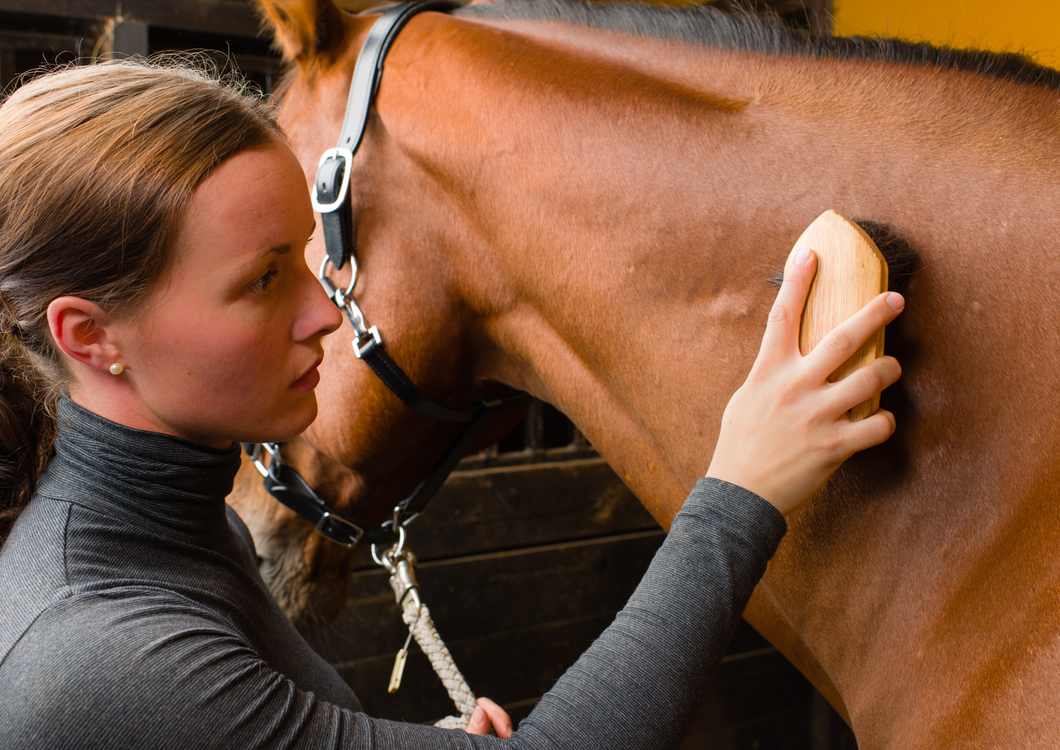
pixel 261 284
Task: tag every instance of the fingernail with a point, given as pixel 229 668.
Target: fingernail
pixel 895 301
pixel 477 716
pixel 802 256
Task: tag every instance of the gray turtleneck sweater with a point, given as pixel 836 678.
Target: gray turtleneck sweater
pixel 132 615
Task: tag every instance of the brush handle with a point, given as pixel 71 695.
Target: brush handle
pixel 851 272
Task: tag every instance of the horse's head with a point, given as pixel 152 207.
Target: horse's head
pixel 367 450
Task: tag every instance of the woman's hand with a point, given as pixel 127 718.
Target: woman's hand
pixel 489 716
pixel 785 431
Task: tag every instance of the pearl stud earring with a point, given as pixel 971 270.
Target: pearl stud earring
pixel 116 368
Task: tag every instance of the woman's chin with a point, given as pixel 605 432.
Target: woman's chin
pixel 287 422
pixel 295 421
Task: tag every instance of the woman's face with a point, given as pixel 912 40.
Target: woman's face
pixel 228 345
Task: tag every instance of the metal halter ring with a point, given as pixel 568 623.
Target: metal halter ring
pixel 342 297
pixel 393 551
pixel 257 459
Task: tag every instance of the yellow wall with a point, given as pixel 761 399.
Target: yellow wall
pixel 1031 26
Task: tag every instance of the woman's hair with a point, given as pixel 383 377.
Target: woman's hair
pixel 97 164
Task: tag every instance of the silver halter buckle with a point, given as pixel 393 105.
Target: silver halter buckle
pixel 333 153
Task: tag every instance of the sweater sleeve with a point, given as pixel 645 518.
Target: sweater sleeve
pixel 639 685
pixel 155 670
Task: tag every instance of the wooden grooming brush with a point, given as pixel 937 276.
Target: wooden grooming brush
pixel 851 271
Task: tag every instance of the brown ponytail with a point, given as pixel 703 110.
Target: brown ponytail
pixel 97 165
pixel 26 425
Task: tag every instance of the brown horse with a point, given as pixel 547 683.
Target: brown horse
pixel 586 204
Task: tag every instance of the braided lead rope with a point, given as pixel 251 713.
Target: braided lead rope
pixel 451 722
pixel 422 628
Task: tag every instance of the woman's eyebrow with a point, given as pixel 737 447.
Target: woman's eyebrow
pixel 279 250
pixel 284 249
pixel 253 261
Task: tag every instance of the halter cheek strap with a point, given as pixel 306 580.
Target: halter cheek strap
pixel 331 186
pixel 330 194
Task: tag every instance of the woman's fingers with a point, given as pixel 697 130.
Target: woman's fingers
pixel 479 723
pixel 783 432
pixel 782 330
pixel 846 338
pixel 488 715
pixel 868 432
pixel 863 384
pixel 502 723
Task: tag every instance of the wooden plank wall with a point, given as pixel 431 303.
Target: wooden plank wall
pixel 42 32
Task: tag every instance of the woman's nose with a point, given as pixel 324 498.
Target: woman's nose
pixel 319 315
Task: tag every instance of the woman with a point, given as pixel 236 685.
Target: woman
pixel 154 297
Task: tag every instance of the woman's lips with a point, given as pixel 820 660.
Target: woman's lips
pixel 309 380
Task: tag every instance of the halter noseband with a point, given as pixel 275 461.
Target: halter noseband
pixel 330 196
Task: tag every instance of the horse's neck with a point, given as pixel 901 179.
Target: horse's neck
pixel 637 303
pixel 605 240
pixel 642 288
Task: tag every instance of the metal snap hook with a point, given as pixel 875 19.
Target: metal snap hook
pixel 343 299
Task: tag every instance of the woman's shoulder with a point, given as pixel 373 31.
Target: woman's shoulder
pixel 120 652
pixel 32 573
pixel 77 628
pixel 60 595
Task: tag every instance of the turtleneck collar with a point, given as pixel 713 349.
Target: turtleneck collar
pixel 149 479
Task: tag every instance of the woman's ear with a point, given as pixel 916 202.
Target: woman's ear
pixel 80 329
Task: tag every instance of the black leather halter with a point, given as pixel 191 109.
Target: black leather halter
pixel 331 200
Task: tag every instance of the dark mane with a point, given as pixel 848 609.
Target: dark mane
pixel 903 261
pixel 710 27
